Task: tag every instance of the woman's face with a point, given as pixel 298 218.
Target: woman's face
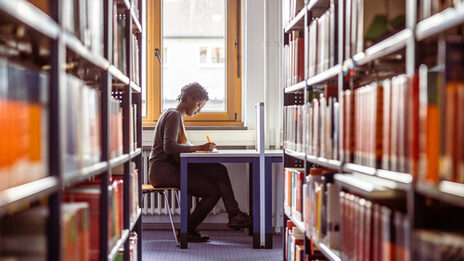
pixel 194 107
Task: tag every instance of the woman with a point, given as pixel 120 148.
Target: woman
pixel 208 181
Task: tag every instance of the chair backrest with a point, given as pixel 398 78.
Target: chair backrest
pixel 147 188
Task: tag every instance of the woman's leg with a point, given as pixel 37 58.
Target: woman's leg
pixel 218 177
pixel 199 185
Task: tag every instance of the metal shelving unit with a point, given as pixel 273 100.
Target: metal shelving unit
pixel 373 183
pixel 61 43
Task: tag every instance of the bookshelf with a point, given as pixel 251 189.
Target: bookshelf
pixel 334 137
pixel 76 55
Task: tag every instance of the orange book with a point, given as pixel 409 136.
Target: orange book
pixel 432 128
pixel 448 170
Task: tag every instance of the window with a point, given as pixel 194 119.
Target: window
pixel 212 56
pixel 202 37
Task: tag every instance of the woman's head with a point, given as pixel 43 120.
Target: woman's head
pixel 193 97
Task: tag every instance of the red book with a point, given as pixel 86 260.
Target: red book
pixel 414 134
pixel 91 195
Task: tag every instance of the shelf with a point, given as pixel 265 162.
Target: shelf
pixel 295 88
pixel 78 48
pixel 331 164
pixel 299 224
pixel 119 160
pixel 446 191
pixel 324 76
pixel 132 223
pixel 402 178
pixel 118 74
pixel 330 254
pixel 31 16
pixel 350 167
pixel 390 45
pixel 29 191
pixel 84 173
pixel 440 22
pixel 135 87
pixel 136 21
pixel 297 22
pixel 295 154
pixel 114 252
pixel 369 186
pixel 135 153
pixel 317 4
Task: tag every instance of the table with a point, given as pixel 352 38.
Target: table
pixel 261 189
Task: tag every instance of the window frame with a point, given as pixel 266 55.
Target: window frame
pixel 232 115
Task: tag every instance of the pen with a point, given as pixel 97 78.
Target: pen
pixel 207 137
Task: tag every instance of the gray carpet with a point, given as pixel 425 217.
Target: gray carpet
pixel 223 245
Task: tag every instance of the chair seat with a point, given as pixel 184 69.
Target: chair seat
pixel 148 188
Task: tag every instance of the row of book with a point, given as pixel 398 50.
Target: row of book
pixel 90 193
pixel 135 60
pixel 119 42
pixel 133 127
pixel 294 59
pixel 24 235
pixel 83 129
pixel 370 231
pixel 377 124
pixel 313 128
pixel 427 8
pixel 84 19
pixel 364 27
pixel 290 9
pixel 322 45
pixel 118 173
pixel 321 207
pixel 24 124
pixel 439 122
pixel 294 243
pixel 133 238
pixel 116 145
pixel 435 245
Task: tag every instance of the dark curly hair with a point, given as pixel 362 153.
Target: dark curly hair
pixel 194 90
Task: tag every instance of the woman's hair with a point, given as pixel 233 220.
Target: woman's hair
pixel 193 90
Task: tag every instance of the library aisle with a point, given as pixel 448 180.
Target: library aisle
pixel 370 120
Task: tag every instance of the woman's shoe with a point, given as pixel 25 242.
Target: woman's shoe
pixel 195 237
pixel 241 220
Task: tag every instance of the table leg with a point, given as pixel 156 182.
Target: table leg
pixel 268 203
pixel 256 208
pixel 250 197
pixel 184 203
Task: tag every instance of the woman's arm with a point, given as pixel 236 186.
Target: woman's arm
pixel 171 132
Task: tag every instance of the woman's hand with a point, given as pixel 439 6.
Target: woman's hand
pixel 209 146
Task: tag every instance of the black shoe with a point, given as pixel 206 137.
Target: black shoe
pixel 241 220
pixel 195 237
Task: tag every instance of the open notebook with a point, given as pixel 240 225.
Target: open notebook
pixel 215 150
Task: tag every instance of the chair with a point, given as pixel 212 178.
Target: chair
pixel 147 189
